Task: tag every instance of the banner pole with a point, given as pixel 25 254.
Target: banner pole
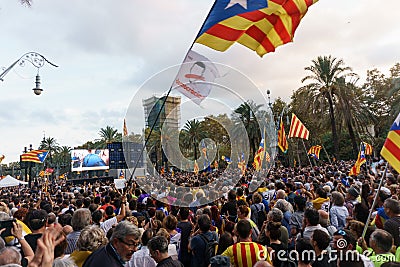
pixel 374 203
pixel 305 149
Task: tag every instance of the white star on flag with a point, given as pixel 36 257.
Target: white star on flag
pixel 231 3
pixel 397 121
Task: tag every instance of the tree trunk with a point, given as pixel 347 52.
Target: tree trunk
pixel 195 151
pixel 333 125
pixel 352 137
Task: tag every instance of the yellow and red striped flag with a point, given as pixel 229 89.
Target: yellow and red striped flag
pixel 314 151
pixel 391 149
pixel 259 25
pixel 196 167
pixel 355 170
pixel 297 129
pixel 368 148
pixel 259 156
pixel 282 141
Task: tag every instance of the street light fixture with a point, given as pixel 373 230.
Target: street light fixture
pixel 37 60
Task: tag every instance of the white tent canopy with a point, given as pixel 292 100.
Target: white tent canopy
pixel 11 181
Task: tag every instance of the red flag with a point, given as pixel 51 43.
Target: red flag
pixel 297 129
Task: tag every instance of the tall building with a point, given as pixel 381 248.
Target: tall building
pixel 170 114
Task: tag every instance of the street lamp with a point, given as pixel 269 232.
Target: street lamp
pixel 37 60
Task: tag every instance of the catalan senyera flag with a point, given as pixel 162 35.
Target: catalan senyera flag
pixel 297 129
pixel 125 130
pixel 196 167
pixel 259 156
pixel 314 151
pixel 368 148
pixel 37 156
pixel 355 170
pixel 261 25
pixel 282 141
pixel 391 149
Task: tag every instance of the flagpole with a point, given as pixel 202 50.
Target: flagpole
pixel 162 106
pixel 305 149
pixel 375 199
pixel 327 155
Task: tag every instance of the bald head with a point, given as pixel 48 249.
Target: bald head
pixel 262 264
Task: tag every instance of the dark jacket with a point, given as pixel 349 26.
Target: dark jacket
pixel 169 262
pixel 104 256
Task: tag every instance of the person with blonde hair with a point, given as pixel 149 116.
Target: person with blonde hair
pixel 90 239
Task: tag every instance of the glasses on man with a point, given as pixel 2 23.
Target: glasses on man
pixel 134 245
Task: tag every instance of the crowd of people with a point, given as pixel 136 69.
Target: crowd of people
pixel 291 216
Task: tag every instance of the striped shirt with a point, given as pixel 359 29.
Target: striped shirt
pixel 246 254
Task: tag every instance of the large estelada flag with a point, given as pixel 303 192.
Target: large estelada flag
pixel 282 141
pixel 314 151
pixel 37 156
pixel 297 129
pixel 355 170
pixel 261 25
pixel 196 77
pixel 391 149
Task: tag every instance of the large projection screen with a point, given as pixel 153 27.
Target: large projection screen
pixel 89 160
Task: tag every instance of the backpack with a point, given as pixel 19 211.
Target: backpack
pixel 209 252
pixel 260 216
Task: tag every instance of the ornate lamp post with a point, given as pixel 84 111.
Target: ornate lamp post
pixel 37 60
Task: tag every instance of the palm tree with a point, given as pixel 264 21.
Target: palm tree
pixel 50 144
pixel 26 2
pixel 248 115
pixel 63 158
pixel 108 135
pixel 325 72
pixel 352 110
pixel 194 134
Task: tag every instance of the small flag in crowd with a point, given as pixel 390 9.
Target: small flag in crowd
pixel 297 129
pixel 267 156
pixel 196 167
pixel 125 130
pixel 282 141
pixel 391 149
pixel 226 159
pixel 259 25
pixel 37 156
pixel 242 164
pixel 355 170
pixel 259 156
pixel 314 151
pixel 121 175
pixel 368 148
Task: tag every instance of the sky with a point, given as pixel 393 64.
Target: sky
pixel 108 50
